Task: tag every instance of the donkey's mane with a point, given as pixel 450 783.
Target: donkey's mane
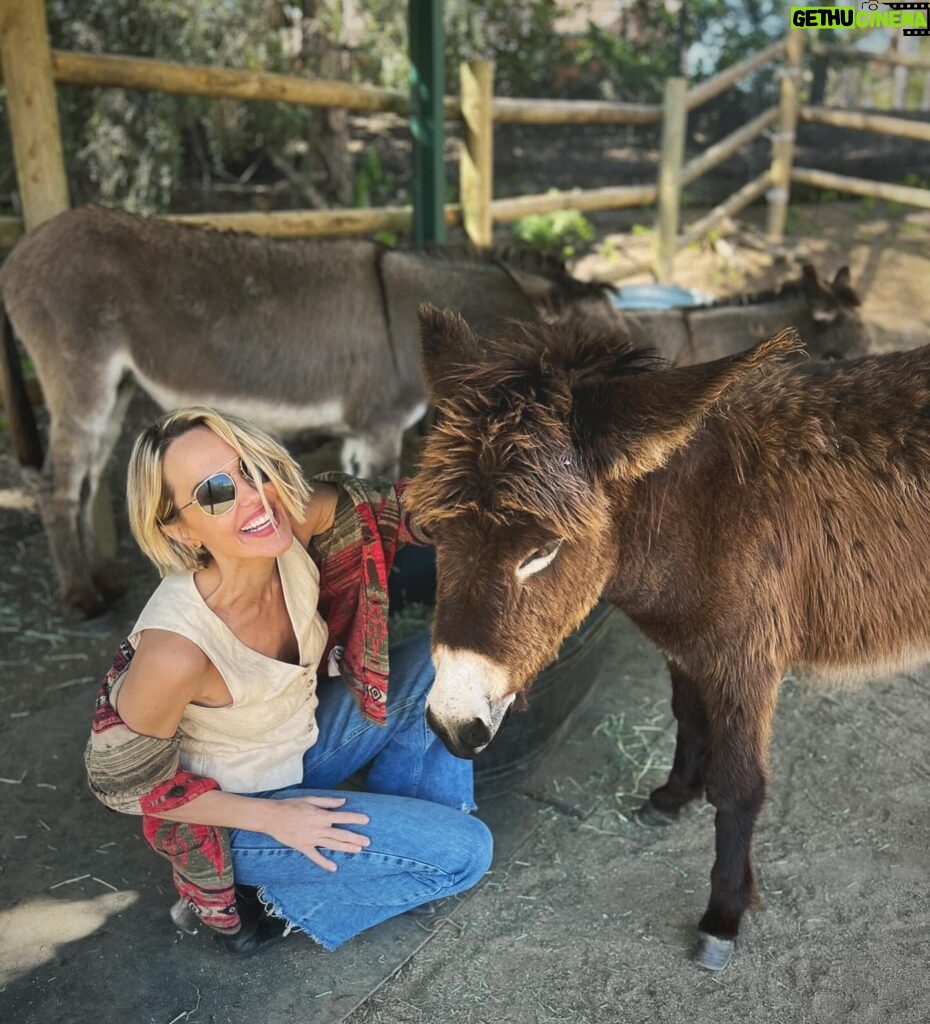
pixel 522 259
pixel 502 444
pixel 786 290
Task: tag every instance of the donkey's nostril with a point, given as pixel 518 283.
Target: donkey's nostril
pixel 476 734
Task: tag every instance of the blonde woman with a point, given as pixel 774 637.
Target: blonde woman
pixel 257 679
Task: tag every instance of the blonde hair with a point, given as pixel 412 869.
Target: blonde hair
pixel 151 504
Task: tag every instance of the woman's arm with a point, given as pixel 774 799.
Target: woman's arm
pixel 303 823
pixel 166 674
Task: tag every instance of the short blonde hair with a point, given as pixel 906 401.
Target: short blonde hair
pixel 151 504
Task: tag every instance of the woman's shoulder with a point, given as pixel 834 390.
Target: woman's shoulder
pixel 166 674
pixel 174 660
pixel 319 514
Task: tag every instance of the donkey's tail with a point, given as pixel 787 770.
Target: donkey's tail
pixel 21 422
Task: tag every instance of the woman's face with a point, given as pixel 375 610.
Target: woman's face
pixel 243 532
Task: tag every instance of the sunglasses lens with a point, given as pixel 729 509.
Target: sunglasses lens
pixel 217 494
pixel 244 470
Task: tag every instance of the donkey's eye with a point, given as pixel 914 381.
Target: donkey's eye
pixel 539 559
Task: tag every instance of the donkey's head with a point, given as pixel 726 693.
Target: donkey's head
pixel 837 330
pixel 538 441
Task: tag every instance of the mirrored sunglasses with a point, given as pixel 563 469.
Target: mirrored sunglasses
pixel 217 494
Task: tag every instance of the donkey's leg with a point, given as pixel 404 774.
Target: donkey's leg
pixel 66 486
pixel 740 722
pixel 686 779
pixel 374 453
pixel 101 573
pixel 80 410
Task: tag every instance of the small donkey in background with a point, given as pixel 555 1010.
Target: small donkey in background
pixel 748 514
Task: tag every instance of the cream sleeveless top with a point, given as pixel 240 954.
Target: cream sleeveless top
pixel 258 741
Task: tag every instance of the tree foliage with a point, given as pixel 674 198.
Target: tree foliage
pixel 137 149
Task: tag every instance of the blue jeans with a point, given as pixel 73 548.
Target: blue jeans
pixel 422 846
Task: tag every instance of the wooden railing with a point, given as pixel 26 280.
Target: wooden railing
pixel 23 41
pixel 30 69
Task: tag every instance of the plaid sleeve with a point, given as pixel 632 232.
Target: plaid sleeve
pixel 127 771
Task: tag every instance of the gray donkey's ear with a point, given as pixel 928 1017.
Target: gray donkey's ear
pixel 447 344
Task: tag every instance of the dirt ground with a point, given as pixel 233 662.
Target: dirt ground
pixel 586 916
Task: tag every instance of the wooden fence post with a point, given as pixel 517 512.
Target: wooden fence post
pixel 671 159
pixel 783 142
pixel 476 166
pixel 31 107
pixel 43 183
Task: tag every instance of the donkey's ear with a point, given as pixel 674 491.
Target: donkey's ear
pixel 810 281
pixel 842 286
pixel 447 342
pixel 629 426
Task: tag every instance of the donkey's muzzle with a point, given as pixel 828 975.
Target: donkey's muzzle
pixel 465 741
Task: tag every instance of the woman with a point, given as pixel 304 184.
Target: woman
pixel 217 725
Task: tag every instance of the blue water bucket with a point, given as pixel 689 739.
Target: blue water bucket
pixel 658 296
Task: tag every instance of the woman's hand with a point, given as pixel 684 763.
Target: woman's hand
pixel 308 822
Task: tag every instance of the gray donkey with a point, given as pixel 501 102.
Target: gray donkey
pixel 292 334
pixel 295 335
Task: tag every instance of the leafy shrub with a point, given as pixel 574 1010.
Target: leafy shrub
pixel 558 234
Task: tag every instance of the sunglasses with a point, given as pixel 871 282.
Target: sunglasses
pixel 217 494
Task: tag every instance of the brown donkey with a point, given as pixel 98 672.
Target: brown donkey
pixel 749 514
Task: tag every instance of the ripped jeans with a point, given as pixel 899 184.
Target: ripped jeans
pixel 422 846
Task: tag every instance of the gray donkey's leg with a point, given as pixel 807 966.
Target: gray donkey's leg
pixel 103 578
pixel 374 453
pixel 80 409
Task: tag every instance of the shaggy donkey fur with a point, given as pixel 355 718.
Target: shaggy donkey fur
pixel 749 515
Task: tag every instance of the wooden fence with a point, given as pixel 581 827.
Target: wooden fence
pixel 31 70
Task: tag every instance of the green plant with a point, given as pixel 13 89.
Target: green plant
pixel 372 185
pixel 607 250
pixel 641 230
pixel 914 180
pixel 557 233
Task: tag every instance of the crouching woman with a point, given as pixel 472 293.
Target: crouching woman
pixel 257 679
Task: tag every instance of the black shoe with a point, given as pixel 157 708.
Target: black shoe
pixel 423 910
pixel 258 931
pixel 254 938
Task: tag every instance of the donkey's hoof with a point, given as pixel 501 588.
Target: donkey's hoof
pixel 649 816
pixel 712 953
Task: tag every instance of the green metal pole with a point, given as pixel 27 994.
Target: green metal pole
pixel 427 88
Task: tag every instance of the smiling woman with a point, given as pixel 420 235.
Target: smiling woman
pixel 220 721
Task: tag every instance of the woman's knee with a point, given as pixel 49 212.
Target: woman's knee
pixel 474 849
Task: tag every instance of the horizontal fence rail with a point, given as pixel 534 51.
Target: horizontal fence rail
pixel 108 70
pixel 727 146
pixel 581 199
pixel 522 111
pixel 748 194
pixel 862 187
pixel 900 126
pixel 313 223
